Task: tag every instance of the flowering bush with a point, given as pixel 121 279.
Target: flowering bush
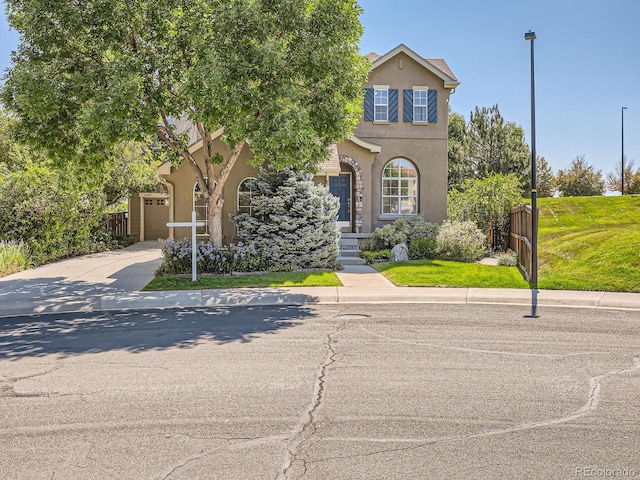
pixel 176 258
pixel 461 241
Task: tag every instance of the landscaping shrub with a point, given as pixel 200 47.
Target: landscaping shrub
pixel 14 257
pixel 387 237
pixel 177 259
pixel 55 214
pixel 412 231
pixel 422 247
pixel 508 259
pixel 370 257
pixel 460 241
pixel 486 200
pixel 292 221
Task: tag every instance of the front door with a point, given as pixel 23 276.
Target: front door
pixel 340 186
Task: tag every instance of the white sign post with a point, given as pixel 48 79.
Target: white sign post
pixel 193 224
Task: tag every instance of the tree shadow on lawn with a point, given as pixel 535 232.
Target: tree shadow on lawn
pixel 140 331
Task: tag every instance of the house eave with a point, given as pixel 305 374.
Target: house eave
pixel 449 82
pixel 197 145
pixel 372 147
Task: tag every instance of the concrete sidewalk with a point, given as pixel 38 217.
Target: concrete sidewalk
pixel 114 280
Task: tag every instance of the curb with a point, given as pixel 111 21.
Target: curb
pixel 321 295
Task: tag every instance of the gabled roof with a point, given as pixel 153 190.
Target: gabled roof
pixel 331 166
pixel 437 66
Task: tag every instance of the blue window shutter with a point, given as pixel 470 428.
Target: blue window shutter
pixel 432 106
pixel 408 105
pixel 393 104
pixel 368 105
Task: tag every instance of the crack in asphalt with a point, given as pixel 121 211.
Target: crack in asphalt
pixel 594 396
pixel 306 426
pixel 8 384
pixel 194 460
pixel 478 350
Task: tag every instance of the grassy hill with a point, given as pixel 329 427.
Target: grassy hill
pixel 589 243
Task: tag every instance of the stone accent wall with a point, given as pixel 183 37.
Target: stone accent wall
pixel 358 190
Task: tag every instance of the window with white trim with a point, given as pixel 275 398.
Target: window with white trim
pixel 245 193
pixel 420 105
pixel 201 208
pixel 400 188
pixel 381 105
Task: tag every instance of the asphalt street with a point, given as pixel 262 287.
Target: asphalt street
pixel 350 391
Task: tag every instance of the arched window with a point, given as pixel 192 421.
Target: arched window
pixel 201 208
pixel 399 188
pixel 244 195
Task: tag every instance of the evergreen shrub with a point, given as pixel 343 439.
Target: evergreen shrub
pixel 293 221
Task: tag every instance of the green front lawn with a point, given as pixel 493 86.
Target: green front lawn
pixel 590 243
pixel 288 279
pixel 442 273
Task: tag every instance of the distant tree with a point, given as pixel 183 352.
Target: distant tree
pixel 497 146
pixel 460 167
pixel 580 180
pixel 631 178
pixel 283 77
pixel 545 179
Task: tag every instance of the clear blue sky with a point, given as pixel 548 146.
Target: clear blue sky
pixel 587 62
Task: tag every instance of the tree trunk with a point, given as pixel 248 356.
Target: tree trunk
pixel 215 200
pixel 213 187
pixel 214 218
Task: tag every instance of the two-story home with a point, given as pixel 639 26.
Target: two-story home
pixel 394 165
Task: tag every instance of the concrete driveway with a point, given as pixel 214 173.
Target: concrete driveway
pixel 76 284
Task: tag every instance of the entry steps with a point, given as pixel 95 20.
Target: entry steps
pixel 350 249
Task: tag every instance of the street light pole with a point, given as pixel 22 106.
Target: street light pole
pixel 531 36
pixel 622 161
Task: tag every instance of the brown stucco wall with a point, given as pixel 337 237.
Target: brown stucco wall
pixel 183 181
pixel 423 144
pixel 134 217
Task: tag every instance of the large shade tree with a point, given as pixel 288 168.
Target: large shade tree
pixel 283 78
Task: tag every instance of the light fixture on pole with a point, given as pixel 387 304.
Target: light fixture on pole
pixel 622 162
pixel 531 36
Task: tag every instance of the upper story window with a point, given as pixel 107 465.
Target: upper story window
pixel 400 188
pixel 420 105
pixel 381 102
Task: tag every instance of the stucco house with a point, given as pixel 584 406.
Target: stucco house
pixel 394 165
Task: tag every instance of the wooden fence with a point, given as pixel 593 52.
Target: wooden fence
pixel 117 223
pixel 521 234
